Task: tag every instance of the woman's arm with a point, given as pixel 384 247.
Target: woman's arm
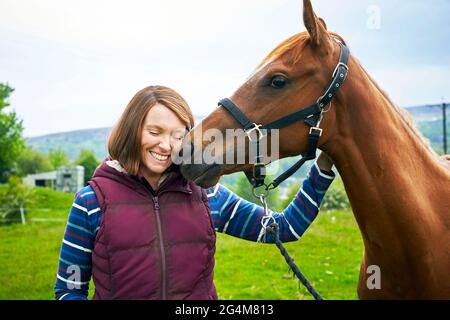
pixel 241 218
pixel 75 260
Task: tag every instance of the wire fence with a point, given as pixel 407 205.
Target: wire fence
pixel 23 219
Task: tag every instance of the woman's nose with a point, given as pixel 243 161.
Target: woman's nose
pixel 165 144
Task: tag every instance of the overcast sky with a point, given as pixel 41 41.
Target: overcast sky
pixel 76 64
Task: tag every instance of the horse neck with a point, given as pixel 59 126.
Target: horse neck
pixel 385 167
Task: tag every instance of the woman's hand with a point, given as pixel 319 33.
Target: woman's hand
pixel 324 162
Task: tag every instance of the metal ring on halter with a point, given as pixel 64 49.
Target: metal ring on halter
pixel 270 187
pixel 326 109
pixel 265 193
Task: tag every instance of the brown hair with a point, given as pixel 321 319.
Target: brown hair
pixel 125 139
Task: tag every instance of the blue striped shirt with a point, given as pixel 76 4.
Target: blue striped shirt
pixel 230 214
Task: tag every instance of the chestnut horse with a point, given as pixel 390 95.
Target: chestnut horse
pixel 399 189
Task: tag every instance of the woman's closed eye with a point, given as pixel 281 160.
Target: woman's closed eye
pixel 178 137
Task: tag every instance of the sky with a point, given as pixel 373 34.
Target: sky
pixel 76 64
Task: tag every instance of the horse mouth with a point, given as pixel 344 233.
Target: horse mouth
pixel 202 175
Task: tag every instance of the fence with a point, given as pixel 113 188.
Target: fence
pixel 23 219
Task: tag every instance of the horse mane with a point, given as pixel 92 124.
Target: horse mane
pixel 404 115
pixel 294 45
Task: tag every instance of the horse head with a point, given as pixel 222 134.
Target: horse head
pixel 294 74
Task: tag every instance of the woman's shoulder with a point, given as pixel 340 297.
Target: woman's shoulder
pixel 86 197
pixel 85 191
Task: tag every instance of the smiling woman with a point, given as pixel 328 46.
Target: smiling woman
pixel 142 231
pixel 163 131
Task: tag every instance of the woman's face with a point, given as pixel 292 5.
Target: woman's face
pixel 162 134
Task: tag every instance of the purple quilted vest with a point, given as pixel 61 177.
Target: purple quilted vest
pixel 152 245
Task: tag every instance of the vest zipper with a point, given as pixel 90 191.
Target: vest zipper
pixel 161 245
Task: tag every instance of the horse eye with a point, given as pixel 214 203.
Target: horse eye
pixel 278 82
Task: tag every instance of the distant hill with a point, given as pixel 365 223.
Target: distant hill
pixel 72 142
pixel 426 113
pixel 428 120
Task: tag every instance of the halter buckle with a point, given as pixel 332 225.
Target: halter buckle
pixel 317 129
pixel 256 127
pixel 340 64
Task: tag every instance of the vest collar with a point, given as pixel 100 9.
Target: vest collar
pixel 173 180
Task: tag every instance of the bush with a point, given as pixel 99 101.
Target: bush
pixel 11 140
pixel 14 196
pixel 88 160
pixel 32 161
pixel 243 189
pixel 336 197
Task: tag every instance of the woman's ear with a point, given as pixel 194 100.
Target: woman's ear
pixel 317 28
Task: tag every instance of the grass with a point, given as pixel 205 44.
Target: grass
pixel 29 253
pixel 29 260
pixel 328 254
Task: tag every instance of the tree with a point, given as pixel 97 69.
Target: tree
pixel 16 195
pixel 336 197
pixel 31 161
pixel 88 160
pixel 5 92
pixel 58 158
pixel 11 140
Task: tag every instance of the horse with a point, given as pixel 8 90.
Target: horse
pixel 398 187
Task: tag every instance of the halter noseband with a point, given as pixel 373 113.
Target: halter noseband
pixel 311 115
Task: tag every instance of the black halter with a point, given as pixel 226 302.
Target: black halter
pixel 312 115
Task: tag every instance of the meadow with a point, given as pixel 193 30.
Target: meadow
pixel 329 254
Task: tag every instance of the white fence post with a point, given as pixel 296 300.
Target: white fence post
pixel 22 214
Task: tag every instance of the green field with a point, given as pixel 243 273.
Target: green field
pixel 329 255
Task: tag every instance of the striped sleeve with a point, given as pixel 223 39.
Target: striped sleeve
pixel 241 218
pixel 75 260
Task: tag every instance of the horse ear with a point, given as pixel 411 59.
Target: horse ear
pixel 316 27
pixel 324 25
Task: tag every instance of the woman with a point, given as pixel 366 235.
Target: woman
pixel 142 231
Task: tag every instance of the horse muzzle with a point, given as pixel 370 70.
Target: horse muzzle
pixel 204 175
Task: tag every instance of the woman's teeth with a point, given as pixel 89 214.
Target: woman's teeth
pixel 158 156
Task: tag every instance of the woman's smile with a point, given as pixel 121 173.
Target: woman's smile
pixel 159 157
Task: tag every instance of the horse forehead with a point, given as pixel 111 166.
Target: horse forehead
pixel 263 70
pixel 283 61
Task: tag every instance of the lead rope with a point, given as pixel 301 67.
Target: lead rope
pixel 259 172
pixel 273 229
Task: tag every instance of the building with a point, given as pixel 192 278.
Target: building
pixel 69 178
pixel 65 178
pixel 43 179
